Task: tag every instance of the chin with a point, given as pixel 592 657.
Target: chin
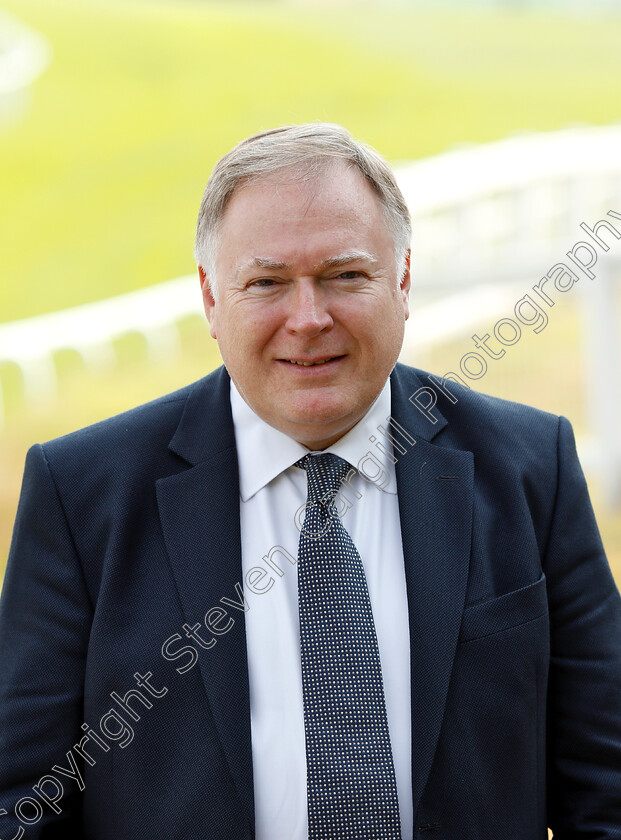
pixel 318 427
pixel 313 410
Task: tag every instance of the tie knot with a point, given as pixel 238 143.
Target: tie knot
pixel 324 475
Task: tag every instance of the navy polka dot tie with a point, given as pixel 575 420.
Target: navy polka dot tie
pixel 352 791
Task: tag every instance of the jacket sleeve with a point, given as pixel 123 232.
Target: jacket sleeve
pixel 45 618
pixel 584 696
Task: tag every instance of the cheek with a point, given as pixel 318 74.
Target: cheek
pixel 246 333
pixel 378 326
pixel 382 338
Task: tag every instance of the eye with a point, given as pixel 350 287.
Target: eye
pixel 349 275
pixel 263 283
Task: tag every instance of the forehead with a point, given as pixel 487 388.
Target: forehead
pixel 336 208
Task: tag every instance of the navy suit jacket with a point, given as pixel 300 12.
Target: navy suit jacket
pixel 127 537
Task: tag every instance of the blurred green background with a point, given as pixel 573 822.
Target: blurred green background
pixel 103 174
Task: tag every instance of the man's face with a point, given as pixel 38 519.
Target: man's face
pixel 310 313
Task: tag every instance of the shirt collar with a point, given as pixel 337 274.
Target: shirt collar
pixel 264 452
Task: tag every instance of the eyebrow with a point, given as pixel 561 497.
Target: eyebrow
pixel 344 259
pixel 330 262
pixel 262 262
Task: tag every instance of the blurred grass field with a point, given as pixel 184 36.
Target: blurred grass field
pixel 101 180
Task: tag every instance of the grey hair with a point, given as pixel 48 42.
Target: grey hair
pixel 307 150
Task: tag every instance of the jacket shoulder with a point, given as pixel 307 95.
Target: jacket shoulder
pixel 132 428
pixel 132 443
pixel 470 418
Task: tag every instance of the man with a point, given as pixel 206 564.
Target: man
pixel 283 602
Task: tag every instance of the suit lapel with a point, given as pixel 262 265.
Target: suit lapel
pixel 435 487
pixel 199 513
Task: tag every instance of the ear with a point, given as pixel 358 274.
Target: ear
pixel 209 302
pixel 404 285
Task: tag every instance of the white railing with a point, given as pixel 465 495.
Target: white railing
pixel 498 211
pixel 24 55
pixel 488 222
pixel 90 329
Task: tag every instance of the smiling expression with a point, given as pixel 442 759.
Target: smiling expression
pixel 310 312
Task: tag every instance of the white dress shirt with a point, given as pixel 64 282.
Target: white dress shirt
pixel 272 492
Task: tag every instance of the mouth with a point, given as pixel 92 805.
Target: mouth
pixel 312 362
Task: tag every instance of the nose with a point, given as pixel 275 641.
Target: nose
pixel 307 315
